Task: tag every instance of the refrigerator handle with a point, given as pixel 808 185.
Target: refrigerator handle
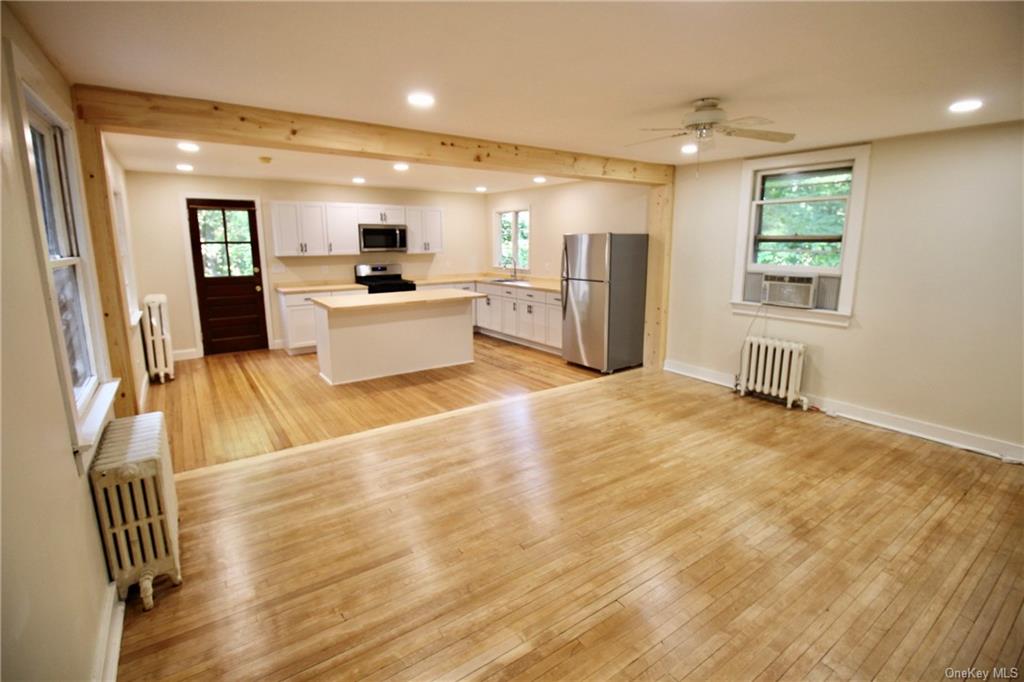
pixel 565 259
pixel 565 290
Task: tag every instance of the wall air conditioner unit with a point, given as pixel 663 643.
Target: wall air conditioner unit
pixel 156 333
pixel 789 290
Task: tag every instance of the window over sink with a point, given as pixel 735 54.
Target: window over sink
pixel 512 239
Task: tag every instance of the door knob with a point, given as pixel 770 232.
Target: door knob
pixel 259 288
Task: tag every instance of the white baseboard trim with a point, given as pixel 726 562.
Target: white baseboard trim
pixel 520 341
pixel 187 353
pixel 1004 450
pixel 108 644
pixel 277 344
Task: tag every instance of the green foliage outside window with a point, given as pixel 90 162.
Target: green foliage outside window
pixel 514 238
pixel 226 245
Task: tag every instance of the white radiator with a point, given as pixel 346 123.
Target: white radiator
pixel 772 367
pixel 133 486
pixel 156 332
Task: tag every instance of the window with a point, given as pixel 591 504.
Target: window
pixel 49 160
pixel 801 215
pixel 513 239
pixel 225 242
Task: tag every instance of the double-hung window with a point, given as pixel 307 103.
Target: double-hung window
pixel 801 215
pixel 49 158
pixel 513 239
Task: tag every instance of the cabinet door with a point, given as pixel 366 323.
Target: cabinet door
pixel 287 239
pixel 314 230
pixel 393 215
pixel 414 236
pixel 432 230
pixel 370 215
pixel 554 325
pixel 488 313
pixel 301 326
pixel 342 229
pixel 508 316
pixel 524 320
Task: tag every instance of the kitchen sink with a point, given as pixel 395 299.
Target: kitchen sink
pixel 520 282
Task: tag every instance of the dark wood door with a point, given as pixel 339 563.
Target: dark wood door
pixel 226 260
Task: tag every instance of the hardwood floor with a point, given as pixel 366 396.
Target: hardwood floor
pixel 641 526
pixel 225 407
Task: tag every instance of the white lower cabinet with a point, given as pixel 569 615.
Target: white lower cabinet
pixel 554 325
pixel 508 318
pixel 533 315
pixel 297 320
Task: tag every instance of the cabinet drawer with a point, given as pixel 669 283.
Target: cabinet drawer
pixel 293 300
pixel 530 295
pixel 553 298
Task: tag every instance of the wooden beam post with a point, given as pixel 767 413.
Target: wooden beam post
pixel 116 324
pixel 659 265
pixel 204 120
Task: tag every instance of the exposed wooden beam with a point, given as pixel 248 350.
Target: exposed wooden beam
pixel 659 264
pixel 112 296
pixel 205 120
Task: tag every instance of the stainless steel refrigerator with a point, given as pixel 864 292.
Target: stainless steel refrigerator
pixel 604 290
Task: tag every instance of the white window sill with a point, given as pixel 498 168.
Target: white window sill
pixel 99 414
pixel 829 318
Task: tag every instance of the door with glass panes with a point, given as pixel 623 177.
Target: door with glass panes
pixel 229 287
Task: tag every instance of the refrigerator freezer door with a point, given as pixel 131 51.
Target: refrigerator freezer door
pixel 585 256
pixel 585 323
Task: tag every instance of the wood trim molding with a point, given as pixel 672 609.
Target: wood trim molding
pixel 167 116
pixel 116 318
pixel 659 263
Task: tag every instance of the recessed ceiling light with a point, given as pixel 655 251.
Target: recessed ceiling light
pixel 358 180
pixel 481 188
pixel 401 166
pixel 965 105
pixel 190 147
pixel 420 99
pixel 185 167
pixel 540 179
pixel 690 148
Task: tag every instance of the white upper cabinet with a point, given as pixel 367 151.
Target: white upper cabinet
pixel 287 237
pixel 381 215
pixel 314 230
pixel 426 230
pixel 328 229
pixel 342 229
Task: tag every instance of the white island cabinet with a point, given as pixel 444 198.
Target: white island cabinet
pixel 366 337
pixel 297 323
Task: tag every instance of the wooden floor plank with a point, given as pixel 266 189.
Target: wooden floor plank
pixel 641 526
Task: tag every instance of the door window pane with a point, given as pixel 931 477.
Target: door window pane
pixel 804 218
pixel 523 242
pixel 215 260
pixel 240 257
pixel 238 226
pixel 820 183
pixel 72 321
pixel 211 225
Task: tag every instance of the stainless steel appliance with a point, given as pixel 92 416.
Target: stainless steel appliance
pixel 604 290
pixel 382 278
pixel 382 238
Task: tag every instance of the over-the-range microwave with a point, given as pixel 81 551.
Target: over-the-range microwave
pixel 382 238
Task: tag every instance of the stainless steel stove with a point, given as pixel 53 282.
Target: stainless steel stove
pixel 382 278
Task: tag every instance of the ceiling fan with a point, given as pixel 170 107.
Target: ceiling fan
pixel 707 118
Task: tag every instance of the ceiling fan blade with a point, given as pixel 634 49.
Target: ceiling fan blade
pixel 655 139
pixel 656 130
pixel 766 135
pixel 748 121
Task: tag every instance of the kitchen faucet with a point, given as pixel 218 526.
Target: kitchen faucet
pixel 515 266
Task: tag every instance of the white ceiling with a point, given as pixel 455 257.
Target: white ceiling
pixel 160 155
pixel 578 76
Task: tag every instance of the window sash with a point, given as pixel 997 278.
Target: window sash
pixel 515 239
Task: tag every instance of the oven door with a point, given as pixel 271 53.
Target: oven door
pixel 382 238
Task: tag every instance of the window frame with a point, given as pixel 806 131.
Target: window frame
pixel 515 236
pixel 88 406
pixel 858 158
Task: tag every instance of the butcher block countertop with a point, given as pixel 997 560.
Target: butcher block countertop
pixel 298 288
pixel 395 298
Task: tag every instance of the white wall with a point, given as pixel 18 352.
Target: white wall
pixel 564 209
pixel 937 328
pixel 161 247
pixel 55 589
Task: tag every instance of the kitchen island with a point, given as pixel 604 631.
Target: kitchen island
pixel 365 337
